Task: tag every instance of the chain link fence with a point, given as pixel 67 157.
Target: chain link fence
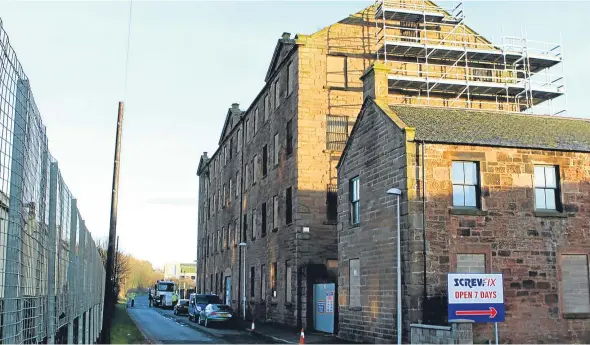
pixel 51 274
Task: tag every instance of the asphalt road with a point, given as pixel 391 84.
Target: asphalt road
pixel 162 326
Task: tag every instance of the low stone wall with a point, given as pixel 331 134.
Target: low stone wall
pixel 460 332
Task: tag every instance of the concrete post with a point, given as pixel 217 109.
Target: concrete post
pixel 71 310
pixel 53 181
pixel 462 331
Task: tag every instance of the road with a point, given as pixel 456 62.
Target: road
pixel 162 326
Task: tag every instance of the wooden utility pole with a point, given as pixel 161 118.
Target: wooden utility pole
pixel 109 292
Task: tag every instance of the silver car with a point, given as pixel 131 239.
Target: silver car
pixel 218 313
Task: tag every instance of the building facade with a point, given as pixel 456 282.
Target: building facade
pixel 272 182
pixel 482 192
pixel 180 271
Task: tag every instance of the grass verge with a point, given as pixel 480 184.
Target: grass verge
pixel 124 330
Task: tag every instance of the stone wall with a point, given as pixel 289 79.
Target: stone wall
pixel 460 332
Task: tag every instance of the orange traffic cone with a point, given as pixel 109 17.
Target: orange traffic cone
pixel 302 336
pixel 252 327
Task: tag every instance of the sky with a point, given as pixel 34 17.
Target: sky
pixel 188 62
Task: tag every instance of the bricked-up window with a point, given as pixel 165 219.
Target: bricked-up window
pixel 336 132
pixel 290 78
pixel 239 140
pixel 354 283
pixel 574 280
pixel 273 279
pixel 289 137
pixel 277 149
pixel 465 184
pixel 275 212
pixel 355 206
pixel 229 237
pixel 223 239
pixel 208 246
pixel 264 160
pixel 224 197
pixel 253 225
pixel 255 124
pixel 245 228
pixel 277 94
pixel 238 186
pixel 471 263
pixel 288 206
pixel 230 191
pixel 252 280
pixel 224 155
pixel 263 223
pixel 288 282
pixel 332 202
pixel 237 232
pixel 218 242
pixel 266 108
pixel 214 203
pixel 546 188
pixel 247 176
pixel 263 282
pixel 255 171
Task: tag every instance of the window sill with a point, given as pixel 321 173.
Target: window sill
pixel 263 235
pixel 352 226
pixel 355 308
pixel 275 230
pixel 576 315
pixel 550 214
pixel 468 212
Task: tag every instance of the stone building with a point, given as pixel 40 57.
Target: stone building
pixel 482 192
pixel 272 182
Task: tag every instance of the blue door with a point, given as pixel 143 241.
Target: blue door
pixel 324 296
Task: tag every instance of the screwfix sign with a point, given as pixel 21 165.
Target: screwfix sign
pixel 477 297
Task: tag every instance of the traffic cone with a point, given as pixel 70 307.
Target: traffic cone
pixel 302 336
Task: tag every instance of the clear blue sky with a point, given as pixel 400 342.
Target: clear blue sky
pixel 188 62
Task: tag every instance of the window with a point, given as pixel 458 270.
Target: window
pixel 471 263
pixel 332 202
pixel 289 137
pixel 288 208
pixel 277 149
pixel 264 160
pixel 255 124
pixel 252 277
pixel 214 203
pixel 208 246
pixel 231 148
pixel 237 232
pixel 354 294
pixel 218 242
pixel 263 282
pixel 354 190
pixel 253 225
pixel 277 94
pixel 239 140
pixel 211 284
pixel 546 188
pixel 465 184
pixel 247 177
pixel 230 191
pixel 223 239
pixel 238 184
pixel 266 108
pixel 288 282
pixel 275 212
pixel 336 132
pixel 224 197
pixel 290 78
pixel 220 202
pixel 227 243
pixel 263 215
pixel 245 228
pixel 247 130
pixel 254 169
pixel 225 155
pixel 273 279
pixel 574 280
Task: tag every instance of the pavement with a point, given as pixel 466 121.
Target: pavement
pixel 163 327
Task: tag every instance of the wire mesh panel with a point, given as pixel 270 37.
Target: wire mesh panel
pixel 39 226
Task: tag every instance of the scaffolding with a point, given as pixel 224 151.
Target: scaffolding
pixel 436 59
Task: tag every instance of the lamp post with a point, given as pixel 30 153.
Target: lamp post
pixel 243 244
pixel 397 192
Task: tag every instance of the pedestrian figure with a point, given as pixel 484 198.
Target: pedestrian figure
pixel 151 299
pixel 133 299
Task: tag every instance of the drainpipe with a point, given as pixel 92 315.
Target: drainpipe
pixel 240 268
pixel 424 218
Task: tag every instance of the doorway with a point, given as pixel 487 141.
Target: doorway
pixel 228 290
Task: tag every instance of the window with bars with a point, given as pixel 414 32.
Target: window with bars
pixel 336 132
pixel 332 202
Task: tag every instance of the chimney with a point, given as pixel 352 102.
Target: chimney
pixel 375 82
pixel 286 35
pixel 235 106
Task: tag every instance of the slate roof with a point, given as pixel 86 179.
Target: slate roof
pixel 464 126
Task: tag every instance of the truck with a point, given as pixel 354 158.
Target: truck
pixel 162 293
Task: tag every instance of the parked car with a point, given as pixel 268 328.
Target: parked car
pixel 181 308
pixel 198 302
pixel 218 313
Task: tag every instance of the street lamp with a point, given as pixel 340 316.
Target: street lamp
pixel 397 192
pixel 243 244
